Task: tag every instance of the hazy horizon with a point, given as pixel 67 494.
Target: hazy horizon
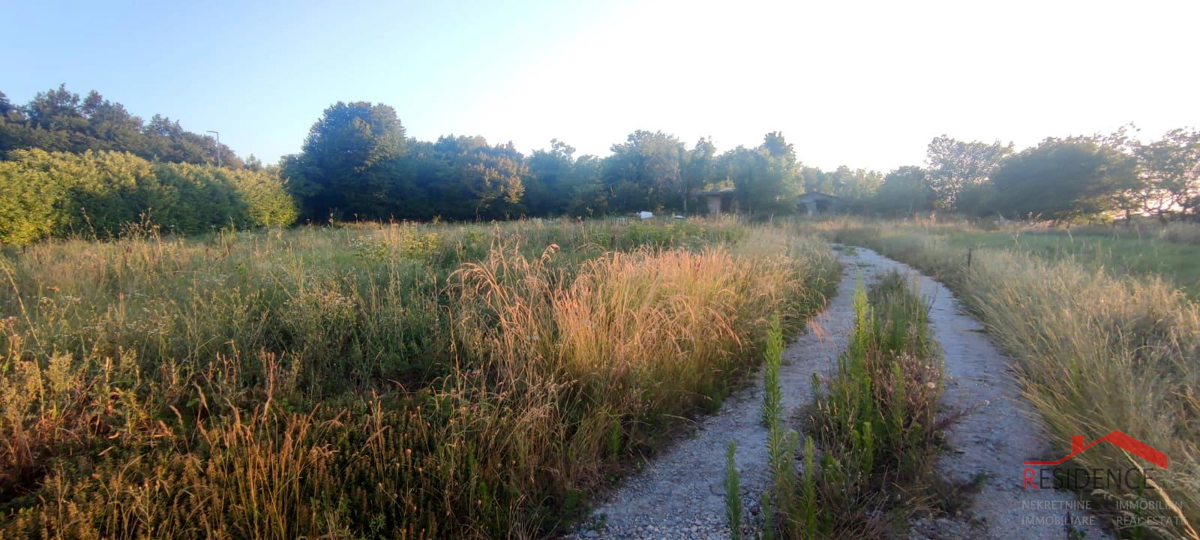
pixel 865 85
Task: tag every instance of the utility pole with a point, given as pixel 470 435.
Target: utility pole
pixel 218 134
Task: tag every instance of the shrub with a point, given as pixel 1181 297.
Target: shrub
pixel 99 194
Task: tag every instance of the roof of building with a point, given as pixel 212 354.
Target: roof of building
pixel 722 191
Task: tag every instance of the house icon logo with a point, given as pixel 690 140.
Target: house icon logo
pixel 1097 478
pixel 1129 444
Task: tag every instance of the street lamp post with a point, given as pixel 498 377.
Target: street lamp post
pixel 218 134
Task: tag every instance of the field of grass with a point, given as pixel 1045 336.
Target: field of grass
pixel 390 381
pixel 1147 250
pixel 1118 251
pixel 1097 350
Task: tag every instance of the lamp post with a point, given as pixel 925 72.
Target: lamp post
pixel 218 134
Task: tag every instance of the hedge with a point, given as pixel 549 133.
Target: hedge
pixel 97 194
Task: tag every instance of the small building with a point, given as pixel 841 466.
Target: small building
pixel 720 201
pixel 815 202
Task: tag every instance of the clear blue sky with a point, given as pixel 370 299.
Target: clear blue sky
pixel 859 83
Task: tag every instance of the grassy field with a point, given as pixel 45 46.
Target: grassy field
pixel 1097 350
pixel 1118 251
pixel 391 381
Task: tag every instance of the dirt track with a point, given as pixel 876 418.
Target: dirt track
pixel 680 494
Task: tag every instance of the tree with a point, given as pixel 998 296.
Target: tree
pixel 552 180
pixel 856 184
pixel 6 107
pixel 59 121
pixel 767 178
pixel 1169 174
pixel 954 164
pixel 904 191
pixel 589 197
pixel 698 169
pixel 1061 179
pixel 644 172
pixel 349 160
pixel 483 182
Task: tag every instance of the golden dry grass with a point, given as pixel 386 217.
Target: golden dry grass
pixel 392 381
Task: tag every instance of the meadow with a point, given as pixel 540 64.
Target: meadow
pixel 400 380
pixel 371 380
pixel 1097 347
pixel 1168 252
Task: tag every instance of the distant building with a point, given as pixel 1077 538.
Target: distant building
pixel 720 201
pixel 814 202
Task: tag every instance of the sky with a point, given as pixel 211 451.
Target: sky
pixel 863 84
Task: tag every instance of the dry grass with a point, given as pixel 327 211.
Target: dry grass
pixel 392 381
pixel 1096 353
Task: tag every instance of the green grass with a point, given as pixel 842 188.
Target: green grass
pixel 370 380
pixel 1118 252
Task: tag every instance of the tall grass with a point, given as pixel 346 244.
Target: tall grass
pixel 394 381
pixel 1096 353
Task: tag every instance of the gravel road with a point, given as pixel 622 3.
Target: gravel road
pixel 680 493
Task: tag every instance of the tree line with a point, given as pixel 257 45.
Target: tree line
pixel 74 164
pixel 59 120
pixel 1059 179
pixel 357 163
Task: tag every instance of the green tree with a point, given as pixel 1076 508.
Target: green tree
pixel 59 121
pixel 102 193
pixel 552 180
pixel 904 191
pixel 767 178
pixel 954 164
pixel 348 162
pixel 643 173
pixel 483 181
pixel 1169 174
pixel 698 169
pixel 1061 179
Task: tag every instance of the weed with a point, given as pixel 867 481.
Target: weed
pixel 733 493
pixel 874 421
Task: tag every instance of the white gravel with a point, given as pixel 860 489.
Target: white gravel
pixel 680 494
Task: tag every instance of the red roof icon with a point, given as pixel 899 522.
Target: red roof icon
pixel 1130 444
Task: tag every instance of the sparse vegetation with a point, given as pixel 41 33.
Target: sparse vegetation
pixel 781 442
pixel 875 423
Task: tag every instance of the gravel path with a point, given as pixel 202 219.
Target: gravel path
pixel 1001 431
pixel 680 494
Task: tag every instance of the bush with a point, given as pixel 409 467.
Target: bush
pixel 101 193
